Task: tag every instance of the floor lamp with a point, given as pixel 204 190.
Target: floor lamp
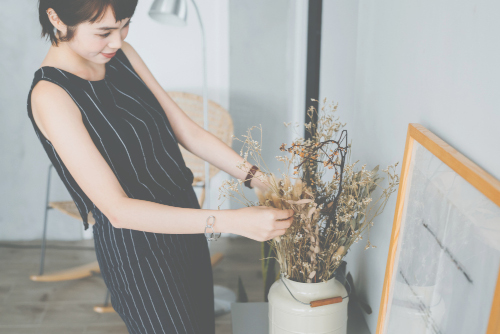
pixel 174 12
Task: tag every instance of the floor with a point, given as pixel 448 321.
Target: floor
pixel 28 307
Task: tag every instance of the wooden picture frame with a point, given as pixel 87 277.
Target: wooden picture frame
pixel 451 271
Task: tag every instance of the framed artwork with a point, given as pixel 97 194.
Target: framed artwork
pixel 442 273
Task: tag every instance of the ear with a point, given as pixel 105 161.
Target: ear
pixel 56 21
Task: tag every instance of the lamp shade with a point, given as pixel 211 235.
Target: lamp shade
pixel 172 12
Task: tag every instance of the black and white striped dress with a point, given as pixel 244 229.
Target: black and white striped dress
pixel 159 283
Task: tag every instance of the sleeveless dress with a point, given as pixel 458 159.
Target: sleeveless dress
pixel 158 283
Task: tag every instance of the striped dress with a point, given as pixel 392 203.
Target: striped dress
pixel 159 283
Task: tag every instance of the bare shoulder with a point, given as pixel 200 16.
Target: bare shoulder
pixel 133 56
pixel 129 50
pixel 140 67
pixel 50 102
pixel 46 91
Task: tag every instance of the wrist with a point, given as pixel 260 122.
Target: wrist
pixel 224 222
pixel 256 182
pixel 253 181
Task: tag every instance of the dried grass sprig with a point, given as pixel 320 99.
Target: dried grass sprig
pixel 331 213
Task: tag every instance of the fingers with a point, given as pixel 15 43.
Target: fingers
pixel 284 214
pixel 283 224
pixel 279 227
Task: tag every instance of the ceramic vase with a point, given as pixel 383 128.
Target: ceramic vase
pixel 287 315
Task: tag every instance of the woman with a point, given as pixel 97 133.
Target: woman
pixel 112 133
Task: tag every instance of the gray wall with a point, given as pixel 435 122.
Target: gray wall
pixel 24 163
pixel 390 63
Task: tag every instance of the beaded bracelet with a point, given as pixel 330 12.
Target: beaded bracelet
pixel 212 234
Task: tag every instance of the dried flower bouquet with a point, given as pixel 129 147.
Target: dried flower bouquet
pixel 329 215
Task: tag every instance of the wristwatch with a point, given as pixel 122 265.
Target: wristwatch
pixel 250 175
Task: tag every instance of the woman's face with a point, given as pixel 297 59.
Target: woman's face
pixel 93 41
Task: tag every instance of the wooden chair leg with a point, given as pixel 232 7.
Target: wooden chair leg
pixel 82 271
pixel 106 307
pixel 216 258
pixel 47 208
pixel 202 197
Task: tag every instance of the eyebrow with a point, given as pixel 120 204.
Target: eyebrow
pixel 112 28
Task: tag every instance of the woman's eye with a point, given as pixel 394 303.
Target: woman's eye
pixel 105 35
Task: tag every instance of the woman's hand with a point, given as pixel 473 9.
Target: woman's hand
pixel 262 223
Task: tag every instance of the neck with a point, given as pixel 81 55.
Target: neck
pixel 67 59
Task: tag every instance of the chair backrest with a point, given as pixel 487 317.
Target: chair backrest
pixel 220 124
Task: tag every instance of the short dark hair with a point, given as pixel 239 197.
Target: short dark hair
pixel 74 12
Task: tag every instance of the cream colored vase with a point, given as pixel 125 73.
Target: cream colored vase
pixel 287 315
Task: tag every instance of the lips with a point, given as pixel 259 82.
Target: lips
pixel 108 55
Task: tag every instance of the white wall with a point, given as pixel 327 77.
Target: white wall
pixel 266 73
pixel 173 54
pixel 390 63
pixel 296 68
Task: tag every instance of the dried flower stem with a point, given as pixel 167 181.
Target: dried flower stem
pixel 329 215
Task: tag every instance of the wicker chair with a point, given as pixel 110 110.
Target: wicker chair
pixel 220 124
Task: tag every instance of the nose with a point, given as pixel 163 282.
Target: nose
pixel 116 41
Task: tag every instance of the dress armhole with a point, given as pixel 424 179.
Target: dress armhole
pixel 82 201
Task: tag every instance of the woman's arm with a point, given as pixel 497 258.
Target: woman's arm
pixel 60 121
pixel 190 135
